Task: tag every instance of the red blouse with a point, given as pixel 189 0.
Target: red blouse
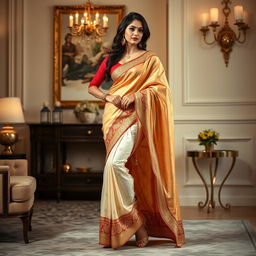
pixel 99 77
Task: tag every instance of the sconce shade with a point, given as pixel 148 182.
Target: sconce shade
pixel 11 111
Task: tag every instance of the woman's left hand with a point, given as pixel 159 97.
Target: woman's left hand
pixel 127 101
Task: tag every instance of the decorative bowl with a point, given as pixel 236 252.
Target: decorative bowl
pixel 87 117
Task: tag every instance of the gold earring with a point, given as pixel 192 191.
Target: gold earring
pixel 123 41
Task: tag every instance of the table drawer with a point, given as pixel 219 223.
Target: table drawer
pixel 43 133
pixel 82 132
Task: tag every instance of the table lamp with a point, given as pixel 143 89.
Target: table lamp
pixel 10 113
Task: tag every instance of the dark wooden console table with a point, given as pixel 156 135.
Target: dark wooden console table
pixel 13 156
pixel 49 144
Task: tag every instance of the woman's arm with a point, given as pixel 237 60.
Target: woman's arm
pixel 96 92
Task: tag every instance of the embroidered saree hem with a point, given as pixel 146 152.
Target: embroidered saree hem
pixel 115 233
pixel 120 218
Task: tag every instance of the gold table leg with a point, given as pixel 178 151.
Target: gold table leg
pixel 215 171
pixel 211 201
pixel 201 204
pixel 222 183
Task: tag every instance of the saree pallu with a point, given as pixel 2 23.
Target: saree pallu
pixel 151 162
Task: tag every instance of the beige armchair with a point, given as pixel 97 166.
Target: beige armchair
pixel 17 192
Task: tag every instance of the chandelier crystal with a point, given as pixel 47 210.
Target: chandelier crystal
pixel 87 26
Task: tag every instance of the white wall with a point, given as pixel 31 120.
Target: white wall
pixel 209 95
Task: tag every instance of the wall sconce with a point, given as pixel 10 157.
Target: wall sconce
pixel 225 37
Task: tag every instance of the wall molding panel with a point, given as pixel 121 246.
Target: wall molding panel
pixel 243 165
pixel 187 86
pixel 16 49
pixel 194 119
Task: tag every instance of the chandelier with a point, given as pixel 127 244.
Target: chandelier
pixel 86 26
pixel 225 37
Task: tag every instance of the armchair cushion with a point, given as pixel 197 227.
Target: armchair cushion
pixel 22 188
pixel 20 207
pixel 18 167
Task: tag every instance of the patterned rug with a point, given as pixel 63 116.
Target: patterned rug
pixel 71 228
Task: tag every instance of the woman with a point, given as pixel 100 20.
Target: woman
pixel 139 192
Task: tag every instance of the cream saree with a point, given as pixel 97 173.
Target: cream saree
pixel 150 161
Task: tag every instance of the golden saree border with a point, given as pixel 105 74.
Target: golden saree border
pixel 116 232
pixel 172 222
pixel 120 125
pixel 158 227
pixel 120 70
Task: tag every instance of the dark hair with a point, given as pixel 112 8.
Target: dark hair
pixel 118 49
pixel 67 35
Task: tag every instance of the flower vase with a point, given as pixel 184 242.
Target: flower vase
pixel 87 117
pixel 209 147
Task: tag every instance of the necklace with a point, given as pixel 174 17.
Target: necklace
pixel 129 56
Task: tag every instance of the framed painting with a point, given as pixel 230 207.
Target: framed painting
pixel 77 58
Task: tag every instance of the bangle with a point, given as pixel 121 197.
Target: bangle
pixel 105 96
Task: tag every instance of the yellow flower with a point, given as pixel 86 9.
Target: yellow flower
pixel 210 134
pixel 207 136
pixel 204 136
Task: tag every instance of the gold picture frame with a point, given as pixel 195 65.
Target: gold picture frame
pixel 70 92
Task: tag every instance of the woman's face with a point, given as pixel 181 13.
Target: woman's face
pixel 134 33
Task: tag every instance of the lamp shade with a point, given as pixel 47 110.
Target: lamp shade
pixel 11 111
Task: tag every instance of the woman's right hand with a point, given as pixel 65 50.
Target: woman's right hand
pixel 114 99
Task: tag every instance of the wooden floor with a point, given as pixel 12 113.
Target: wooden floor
pixel 235 213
